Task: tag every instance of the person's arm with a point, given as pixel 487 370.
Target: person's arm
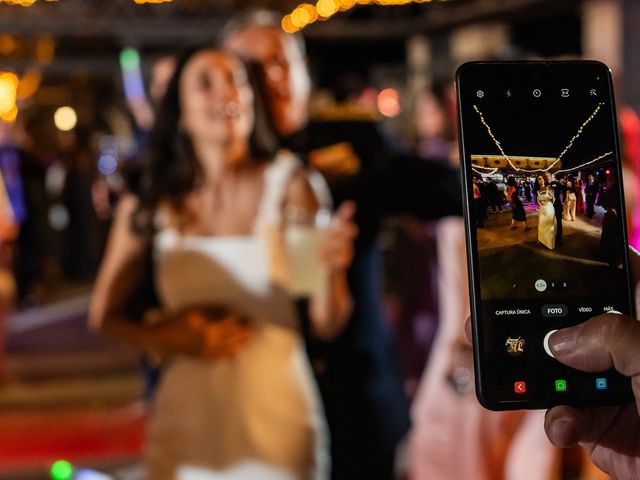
pixel 329 309
pixel 122 268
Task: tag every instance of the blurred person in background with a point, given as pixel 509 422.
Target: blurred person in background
pixel 358 374
pixel 237 397
pixel 411 261
pixel 81 248
pixel 9 225
pixel 435 129
pixel 579 195
pixel 453 437
pixel 35 248
pixel 591 190
pixel 571 198
pixel 518 214
pixel 630 138
pixel 144 109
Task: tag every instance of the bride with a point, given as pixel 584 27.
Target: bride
pixel 547 219
pixel 237 398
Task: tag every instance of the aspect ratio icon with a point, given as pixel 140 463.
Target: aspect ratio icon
pixel 564 92
pixel 537 93
pixel 480 93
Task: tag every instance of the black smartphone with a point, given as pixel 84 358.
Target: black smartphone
pixel 545 224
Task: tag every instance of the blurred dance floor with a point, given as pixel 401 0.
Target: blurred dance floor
pixel 73 396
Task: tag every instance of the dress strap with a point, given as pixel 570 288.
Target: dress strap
pixel 277 177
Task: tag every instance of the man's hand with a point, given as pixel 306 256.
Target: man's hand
pixel 610 435
pixel 211 333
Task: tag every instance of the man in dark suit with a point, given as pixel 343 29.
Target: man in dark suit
pixel 358 374
pixel 591 191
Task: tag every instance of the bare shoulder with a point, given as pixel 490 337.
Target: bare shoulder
pixel 124 237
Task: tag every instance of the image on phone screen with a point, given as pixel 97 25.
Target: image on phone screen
pixel 546 231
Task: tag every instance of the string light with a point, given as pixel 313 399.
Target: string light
pixel 8 96
pixel 29 3
pixel 566 149
pixel 604 155
pixel 484 173
pixel 325 9
pixel 140 2
pixel 566 170
pixel 22 3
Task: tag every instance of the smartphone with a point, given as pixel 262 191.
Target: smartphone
pixel 545 225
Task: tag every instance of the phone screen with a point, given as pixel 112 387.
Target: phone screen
pixel 545 224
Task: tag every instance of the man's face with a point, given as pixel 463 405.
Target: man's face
pixel 547 177
pixel 284 73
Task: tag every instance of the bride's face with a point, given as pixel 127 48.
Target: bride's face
pixel 216 100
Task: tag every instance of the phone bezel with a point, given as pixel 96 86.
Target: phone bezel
pixel 471 242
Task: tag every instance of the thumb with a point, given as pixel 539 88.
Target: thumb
pixel 603 342
pixel 346 211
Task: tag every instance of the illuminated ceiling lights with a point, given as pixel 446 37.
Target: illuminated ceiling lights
pixel 22 3
pixel 28 3
pixel 8 95
pixel 307 13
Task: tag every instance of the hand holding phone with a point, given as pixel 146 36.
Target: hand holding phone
pixel 608 434
pixel 546 235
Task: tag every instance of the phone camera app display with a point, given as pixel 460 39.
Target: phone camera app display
pixel 546 221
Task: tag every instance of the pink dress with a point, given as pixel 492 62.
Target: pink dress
pixel 453 437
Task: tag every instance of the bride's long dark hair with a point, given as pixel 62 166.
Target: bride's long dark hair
pixel 170 167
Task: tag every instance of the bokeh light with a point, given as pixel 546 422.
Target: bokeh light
pixel 287 24
pixel 326 8
pixel 65 119
pixel 389 102
pixel 300 17
pixel 8 89
pixel 108 163
pixel 61 470
pixel 129 59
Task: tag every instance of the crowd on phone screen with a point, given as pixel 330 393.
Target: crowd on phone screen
pixel 364 372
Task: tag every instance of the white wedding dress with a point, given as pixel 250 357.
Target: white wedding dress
pixel 547 219
pixel 257 416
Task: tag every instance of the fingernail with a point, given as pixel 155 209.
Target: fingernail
pixel 563 341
